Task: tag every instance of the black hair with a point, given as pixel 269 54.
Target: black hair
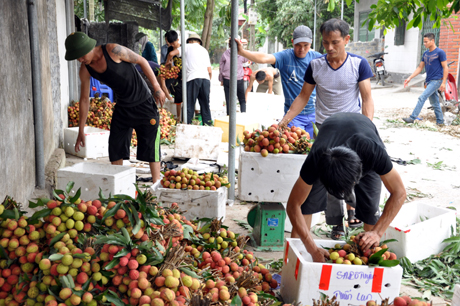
pixel 340 169
pixel 430 36
pixel 260 76
pixel 171 36
pixel 333 25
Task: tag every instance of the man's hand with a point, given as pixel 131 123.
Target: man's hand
pixel 159 97
pixel 406 82
pixel 80 142
pixel 368 240
pixel 320 255
pixel 442 88
pixel 221 83
pixel 239 45
pixel 283 123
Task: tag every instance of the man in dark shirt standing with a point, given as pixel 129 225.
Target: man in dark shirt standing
pixel 348 155
pixel 136 108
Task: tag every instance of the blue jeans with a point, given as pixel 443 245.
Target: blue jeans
pixel 430 92
pixel 304 122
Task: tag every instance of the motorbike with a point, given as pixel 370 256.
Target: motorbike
pixel 379 67
pixel 247 74
pixel 449 98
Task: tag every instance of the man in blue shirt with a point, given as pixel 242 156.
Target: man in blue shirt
pixel 292 64
pixel 435 62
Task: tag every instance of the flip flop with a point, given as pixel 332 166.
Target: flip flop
pixel 337 232
pixel 351 217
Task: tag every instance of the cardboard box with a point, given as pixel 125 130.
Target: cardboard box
pixel 420 224
pixel 96 142
pixel 197 141
pixel 268 178
pixel 197 203
pixel 90 176
pixel 244 122
pixel 303 280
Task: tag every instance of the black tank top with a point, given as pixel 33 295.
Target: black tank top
pixel 124 79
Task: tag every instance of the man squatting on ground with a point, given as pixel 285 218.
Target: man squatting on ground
pixel 114 65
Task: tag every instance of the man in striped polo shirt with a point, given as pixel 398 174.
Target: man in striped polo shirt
pixel 339 78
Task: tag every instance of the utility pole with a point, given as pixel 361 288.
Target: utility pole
pixel 252 27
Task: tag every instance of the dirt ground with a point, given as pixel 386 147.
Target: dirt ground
pixel 435 180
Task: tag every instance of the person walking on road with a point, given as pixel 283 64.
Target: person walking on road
pixel 347 156
pixel 136 108
pixel 435 63
pixel 339 78
pixel 292 64
pixel 224 78
pixel 269 79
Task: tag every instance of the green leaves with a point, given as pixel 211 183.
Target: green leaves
pixel 55 257
pixel 39 215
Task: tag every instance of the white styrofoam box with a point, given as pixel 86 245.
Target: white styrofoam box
pixel 170 106
pixel 197 203
pixel 90 176
pixel 411 232
pixel 268 178
pixel 304 280
pixel 288 224
pixel 96 142
pixel 456 298
pixel 197 141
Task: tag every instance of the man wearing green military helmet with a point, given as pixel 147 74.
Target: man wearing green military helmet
pixel 113 65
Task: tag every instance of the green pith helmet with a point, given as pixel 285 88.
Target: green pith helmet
pixel 78 44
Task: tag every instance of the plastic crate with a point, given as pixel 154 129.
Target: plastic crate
pixel 202 142
pixel 244 122
pixel 96 142
pixel 197 203
pixel 268 179
pixel 303 280
pixel 91 176
pixel 419 224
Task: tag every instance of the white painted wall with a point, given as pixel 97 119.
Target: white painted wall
pixel 405 58
pixel 64 71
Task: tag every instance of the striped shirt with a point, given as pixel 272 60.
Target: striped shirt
pixel 337 90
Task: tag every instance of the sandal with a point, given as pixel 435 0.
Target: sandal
pixel 351 217
pixel 337 232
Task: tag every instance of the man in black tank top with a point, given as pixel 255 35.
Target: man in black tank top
pixel 136 108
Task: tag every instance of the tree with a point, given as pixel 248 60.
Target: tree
pixel 388 13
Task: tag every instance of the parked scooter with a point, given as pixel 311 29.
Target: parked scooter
pixel 449 98
pixel 379 67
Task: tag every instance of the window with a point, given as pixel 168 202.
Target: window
pixel 364 33
pixel 400 32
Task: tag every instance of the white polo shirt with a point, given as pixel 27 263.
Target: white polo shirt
pixel 197 61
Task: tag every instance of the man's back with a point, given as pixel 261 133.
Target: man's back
pixel 197 61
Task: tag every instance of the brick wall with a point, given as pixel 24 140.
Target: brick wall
pixel 449 41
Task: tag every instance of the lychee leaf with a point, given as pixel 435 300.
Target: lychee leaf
pixel 56 194
pixel 136 227
pixel 389 263
pixel 128 213
pixel 76 196
pixel 39 203
pixel 55 257
pixel 122 253
pixel 37 216
pixel 101 195
pixel 114 299
pixel 388 241
pixel 86 285
pixel 64 281
pixel 236 301
pixel 189 272
pixel 111 212
pixel 375 259
pixel 57 238
pixel 125 233
pixel 8 214
pixel 187 231
pixel 50 291
pixel 112 264
pixel 3 253
pixel 80 256
pixel 69 186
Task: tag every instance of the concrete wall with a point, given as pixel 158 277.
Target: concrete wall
pixel 63 64
pixel 17 144
pixel 17 157
pixel 365 49
pixel 401 61
pixel 119 33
